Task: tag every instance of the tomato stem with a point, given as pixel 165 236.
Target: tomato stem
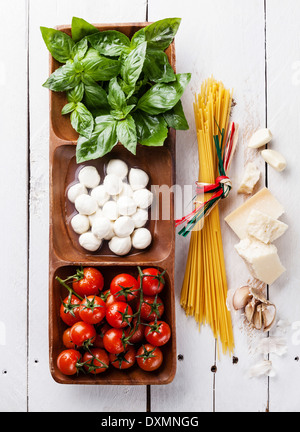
pixel 63 283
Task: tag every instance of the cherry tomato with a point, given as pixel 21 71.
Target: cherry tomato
pixel 67 361
pixel 139 333
pixel 149 357
pixel 124 287
pixel 158 333
pixel 153 283
pixel 92 310
pixel 82 333
pixel 112 341
pixel 152 308
pixel 68 343
pixel 101 330
pixel 124 360
pixel 97 361
pixel 69 312
pixel 88 281
pixel 119 314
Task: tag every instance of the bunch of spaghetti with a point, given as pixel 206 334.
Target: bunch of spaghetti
pixel 204 289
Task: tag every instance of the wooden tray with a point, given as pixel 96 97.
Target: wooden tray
pixel 65 254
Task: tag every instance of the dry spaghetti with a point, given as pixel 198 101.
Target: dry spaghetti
pixel 204 287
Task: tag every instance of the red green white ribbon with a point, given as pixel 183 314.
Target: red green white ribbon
pixel 222 186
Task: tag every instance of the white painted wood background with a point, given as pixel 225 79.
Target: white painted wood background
pixel 254 47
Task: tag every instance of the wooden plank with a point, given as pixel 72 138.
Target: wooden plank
pixel 13 179
pixel 283 77
pixel 56 397
pixel 226 40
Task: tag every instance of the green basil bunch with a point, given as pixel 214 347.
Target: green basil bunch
pixel 118 90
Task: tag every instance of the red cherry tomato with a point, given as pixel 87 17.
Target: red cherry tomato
pixel 101 330
pixel 152 308
pixel 97 361
pixel 139 333
pixel 124 360
pixel 112 341
pixel 153 283
pixel 119 314
pixel 69 312
pixel 124 287
pixel 92 310
pixel 68 343
pixel 82 333
pixel 149 357
pixel 157 333
pixel 67 361
pixel 88 281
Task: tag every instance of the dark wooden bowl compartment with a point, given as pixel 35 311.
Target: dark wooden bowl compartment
pixel 65 253
pixel 134 375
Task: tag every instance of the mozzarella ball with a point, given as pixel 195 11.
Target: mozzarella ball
pixel 126 206
pixel 101 227
pixel 126 190
pixel 75 190
pixel 140 218
pixel 110 210
pixel 89 177
pixel 117 167
pixel 86 205
pixel 141 238
pixel 100 194
pixel 89 242
pixel 113 184
pixel 95 215
pixel 120 246
pixel 123 226
pixel 143 198
pixel 138 179
pixel 111 233
pixel 80 223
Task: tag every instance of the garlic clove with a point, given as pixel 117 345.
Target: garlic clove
pixel 268 316
pixel 258 295
pixel 250 309
pixel 241 297
pixel 257 317
pixel 274 159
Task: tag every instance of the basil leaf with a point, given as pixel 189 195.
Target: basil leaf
pixel 82 120
pixel 76 94
pixel 63 78
pixel 159 34
pixel 126 133
pixel 80 49
pixel 151 130
pixel 95 96
pixel 132 65
pixel 98 67
pixel 81 28
pixel 69 107
pixel 157 67
pixel 116 96
pixel 101 142
pixel 162 97
pixel 58 43
pixel 109 42
pixel 175 117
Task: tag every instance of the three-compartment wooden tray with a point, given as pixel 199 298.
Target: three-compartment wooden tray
pixel 65 254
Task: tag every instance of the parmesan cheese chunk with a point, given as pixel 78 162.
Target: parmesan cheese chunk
pixel 264 228
pixel 260 138
pixel 262 260
pixel 250 178
pixel 263 201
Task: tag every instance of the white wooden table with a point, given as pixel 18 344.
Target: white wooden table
pixel 254 47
